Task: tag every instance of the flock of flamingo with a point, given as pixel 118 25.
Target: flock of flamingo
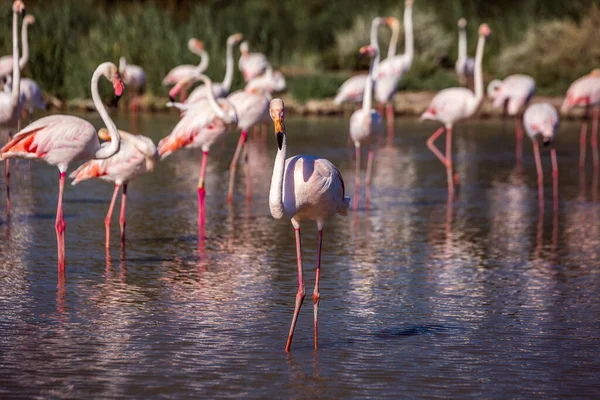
pixel 210 112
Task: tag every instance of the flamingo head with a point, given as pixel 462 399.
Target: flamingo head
pixel 377 21
pixel 234 39
pixel 185 83
pixel 462 23
pixel 103 134
pixel 408 3
pixel 29 19
pixel 111 73
pixel 484 30
pixel 244 49
pixel 19 7
pixel 276 110
pixel 595 73
pixel 195 45
pixel 392 22
pixel 369 51
pixel 493 88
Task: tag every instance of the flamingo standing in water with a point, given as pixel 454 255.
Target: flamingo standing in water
pixel 541 122
pixel 251 65
pixel 136 156
pixel 455 104
pixel 62 139
pixel 465 66
pixel 394 67
pixel 184 71
pixel 365 123
pixel 303 187
pixel 585 92
pixel 200 127
pixel 514 92
pixel 10 103
pixel 135 79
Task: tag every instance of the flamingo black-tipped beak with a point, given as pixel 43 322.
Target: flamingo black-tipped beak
pixel 23 12
pixel 279 139
pixel 278 131
pixel 171 99
pixel 546 141
pixel 115 101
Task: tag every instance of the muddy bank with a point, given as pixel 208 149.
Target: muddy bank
pixel 410 104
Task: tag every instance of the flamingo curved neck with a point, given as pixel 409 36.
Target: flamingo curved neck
pixel 373 70
pixel 16 73
pixel 25 43
pixel 462 44
pixel 408 34
pixel 228 68
pixel 212 101
pixel 204 60
pixel 478 71
pixel 393 41
pixel 107 149
pixel 276 191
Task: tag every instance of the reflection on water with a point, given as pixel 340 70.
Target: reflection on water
pixel 483 294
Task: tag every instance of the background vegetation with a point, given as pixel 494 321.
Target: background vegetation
pixel 314 41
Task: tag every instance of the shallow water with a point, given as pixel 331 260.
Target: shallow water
pixel 480 298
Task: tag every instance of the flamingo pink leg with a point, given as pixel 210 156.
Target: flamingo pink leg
pixel 368 175
pixel 390 123
pixel 582 139
pixel 202 189
pixel 60 224
pixel 301 292
pixel 519 141
pixel 7 177
pixel 316 295
pixel 357 178
pixel 109 215
pixel 595 136
pixel 540 173
pixel 248 175
pixel 446 160
pixel 233 165
pixel 554 178
pixel 122 222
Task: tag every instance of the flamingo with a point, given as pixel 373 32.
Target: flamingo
pixel 455 104
pixel 135 79
pixel 303 187
pixel 10 104
pixel 365 123
pixel 31 95
pixel 219 89
pixel 270 82
pixel 352 89
pixel 514 91
pixel 6 62
pixel 252 108
pixel 465 66
pixel 60 140
pixel 393 68
pixel 200 126
pixel 585 92
pixel 186 70
pixel 541 122
pixel 251 64
pixel 137 155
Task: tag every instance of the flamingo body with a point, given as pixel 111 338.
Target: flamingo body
pixel 451 105
pixel 541 119
pixel 269 82
pixel 364 125
pixel 515 91
pixel 352 90
pixel 251 65
pixel 583 92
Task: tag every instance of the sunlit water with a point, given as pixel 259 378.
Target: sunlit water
pixel 482 298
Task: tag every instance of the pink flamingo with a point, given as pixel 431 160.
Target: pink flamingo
pixel 353 89
pixel 184 71
pixel 269 82
pixel 201 127
pixel 541 122
pixel 135 79
pixel 455 104
pixel 10 105
pixel 252 108
pixel 62 139
pixel 251 64
pixel 365 123
pixel 136 156
pixel 585 92
pixel 6 62
pixel 514 92
pixel 465 66
pixel 219 89
pixel 393 68
pixel 303 187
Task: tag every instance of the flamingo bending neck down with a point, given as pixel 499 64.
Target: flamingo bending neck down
pixel 60 140
pixel 513 93
pixel 455 104
pixel 10 104
pixel 201 127
pixel 365 123
pixel 303 187
pixel 182 72
pixel 136 156
pixel 393 68
pixel 465 66
pixel 541 122
pixel 585 92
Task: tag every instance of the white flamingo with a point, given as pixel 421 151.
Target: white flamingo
pixel 251 65
pixel 365 123
pixel 60 140
pixel 184 71
pixel 465 66
pixel 135 79
pixel 455 104
pixel 303 187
